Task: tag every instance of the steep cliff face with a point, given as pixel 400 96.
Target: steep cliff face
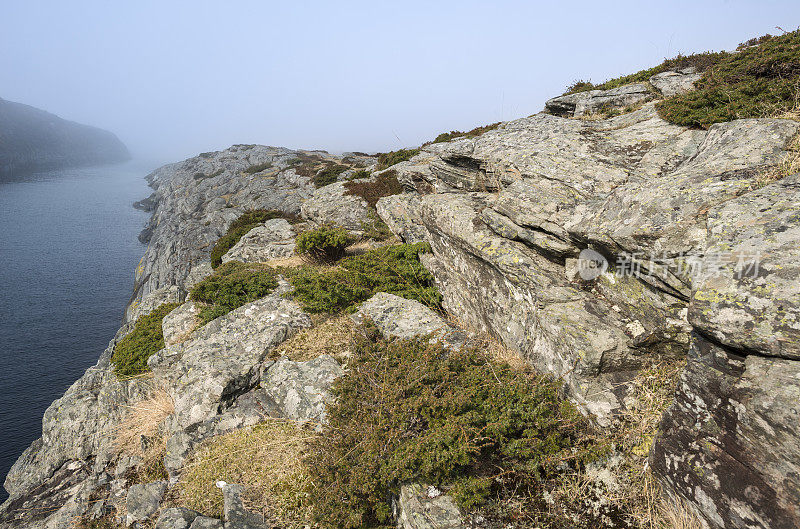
pixel 34 140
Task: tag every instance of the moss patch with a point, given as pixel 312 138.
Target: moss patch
pixel 407 411
pixel 239 228
pixel 232 285
pixel 393 269
pixel 147 338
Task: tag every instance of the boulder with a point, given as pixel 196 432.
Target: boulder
pixel 332 205
pixel 729 443
pixel 407 318
pixel 144 500
pixel 204 522
pixel 302 389
pixel 421 507
pixel 225 358
pixel 274 239
pixel 675 82
pixel 592 101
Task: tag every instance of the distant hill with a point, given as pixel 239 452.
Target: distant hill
pixel 34 140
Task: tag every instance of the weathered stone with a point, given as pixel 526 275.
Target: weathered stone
pixel 592 101
pixel 176 518
pixel 143 500
pixel 180 322
pixel 332 205
pixel 274 239
pixel 674 83
pixel 422 507
pixel 302 389
pixel 729 442
pixel 236 516
pixel 154 299
pixel 224 358
pixel 747 293
pixel 406 318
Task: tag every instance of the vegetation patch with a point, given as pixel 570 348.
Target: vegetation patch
pixel 147 338
pixel 266 459
pixel 474 133
pixel 326 244
pixel 408 411
pixel 232 285
pixel 388 159
pixel 758 81
pixel 257 168
pixel 329 174
pixel 393 269
pixel 239 228
pixel 327 336
pixel 139 435
pixel 358 175
pixel 383 185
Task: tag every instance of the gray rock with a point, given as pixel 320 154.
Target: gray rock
pixel 332 205
pixel 204 522
pixel 176 518
pixel 200 271
pixel 592 101
pixel 406 318
pixel 729 443
pixel 302 389
pixel 747 295
pixel 421 507
pixel 236 516
pixel 180 322
pixel 274 239
pixel 153 300
pixel 224 359
pixel 144 500
pixel 673 83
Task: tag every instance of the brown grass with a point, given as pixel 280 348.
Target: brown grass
pixel 139 434
pixel 266 459
pixel 789 165
pixel 331 335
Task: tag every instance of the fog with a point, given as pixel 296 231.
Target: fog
pixel 175 78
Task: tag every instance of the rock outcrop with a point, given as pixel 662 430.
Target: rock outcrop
pixel 34 140
pixel 591 248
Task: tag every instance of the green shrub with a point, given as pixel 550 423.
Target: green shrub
pixel 232 285
pixel 474 133
pixel 408 411
pixel 383 185
pixel 253 169
pixel 325 244
pixel 393 269
pixel 329 174
pixel 388 159
pixel 361 173
pixel 239 228
pixel 758 81
pixel 147 338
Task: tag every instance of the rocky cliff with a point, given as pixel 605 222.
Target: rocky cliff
pixel 593 245
pixel 34 140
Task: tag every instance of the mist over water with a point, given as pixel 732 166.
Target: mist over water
pixel 69 250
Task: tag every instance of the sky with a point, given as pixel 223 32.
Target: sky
pixel 176 78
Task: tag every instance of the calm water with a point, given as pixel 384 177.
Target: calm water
pixel 68 251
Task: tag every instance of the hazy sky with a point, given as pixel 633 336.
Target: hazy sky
pixel 175 78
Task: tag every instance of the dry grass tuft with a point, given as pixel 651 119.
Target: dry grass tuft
pixel 787 167
pixel 678 515
pixel 266 459
pixel 139 435
pixel 332 335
